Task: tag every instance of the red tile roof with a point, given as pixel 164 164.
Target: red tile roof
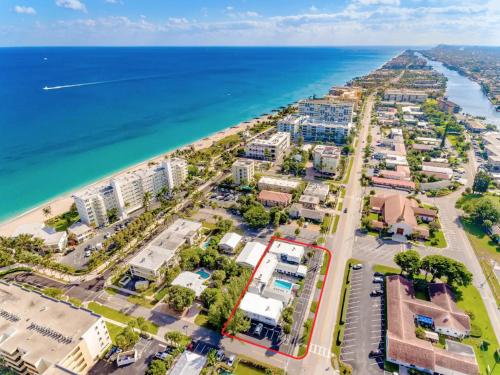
pixel 274 196
pixel 393 183
pixel 402 344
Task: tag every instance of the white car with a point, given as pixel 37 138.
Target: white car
pixel 378 280
pixel 357 266
pixel 87 253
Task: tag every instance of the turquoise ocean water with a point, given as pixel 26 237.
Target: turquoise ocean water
pixel 140 102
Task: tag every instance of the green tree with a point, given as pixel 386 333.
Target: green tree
pixel 179 297
pixel 212 357
pixel 239 323
pixel 177 339
pixel 47 211
pixel 210 296
pixel 53 292
pixel 481 182
pixel 127 338
pixel 146 200
pixel 256 216
pixel 157 367
pixel 483 211
pixel 218 277
pixel 408 261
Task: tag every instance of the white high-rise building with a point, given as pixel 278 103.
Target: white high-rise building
pixel 270 149
pixel 126 192
pixel 243 171
pixel 41 335
pixel 326 159
pixel 338 112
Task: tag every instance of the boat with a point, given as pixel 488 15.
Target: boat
pixel 46 88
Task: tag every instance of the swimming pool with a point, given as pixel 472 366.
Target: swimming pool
pixel 204 274
pixel 283 284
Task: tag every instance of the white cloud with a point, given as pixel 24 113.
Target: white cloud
pixel 313 9
pixel 72 4
pixel 251 14
pixel 24 10
pixel 112 1
pixel 378 2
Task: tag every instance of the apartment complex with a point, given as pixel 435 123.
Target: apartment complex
pixel 278 184
pixel 439 315
pixel 40 335
pixel 160 252
pixel 269 292
pixel 243 171
pixel 270 149
pixel 125 193
pixel 405 96
pixel 326 159
pixel 320 120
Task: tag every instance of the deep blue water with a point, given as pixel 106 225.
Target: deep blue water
pixel 54 141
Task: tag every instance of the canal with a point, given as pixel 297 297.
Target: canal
pixel 467 94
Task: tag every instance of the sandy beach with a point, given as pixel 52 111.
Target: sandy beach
pixel 63 202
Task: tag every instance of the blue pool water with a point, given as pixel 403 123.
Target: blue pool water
pixel 283 284
pixel 204 274
pixel 113 107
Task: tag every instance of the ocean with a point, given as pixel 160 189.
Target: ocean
pixel 108 108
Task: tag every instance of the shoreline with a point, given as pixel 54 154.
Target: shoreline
pixel 62 202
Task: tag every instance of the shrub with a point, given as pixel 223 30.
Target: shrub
pixel 475 330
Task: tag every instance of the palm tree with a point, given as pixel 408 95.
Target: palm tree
pixel 146 199
pixel 47 211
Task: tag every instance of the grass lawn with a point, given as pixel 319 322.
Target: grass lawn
pixel 335 223
pixel 346 178
pixel 139 300
pixel 314 306
pixel 373 216
pixel 201 320
pixel 471 301
pixel 161 293
pixel 113 314
pixel 486 250
pixel 319 284
pixel 63 221
pixel 325 225
pixel 208 225
pixel 244 369
pixel 325 264
pixel 114 331
pixel 437 240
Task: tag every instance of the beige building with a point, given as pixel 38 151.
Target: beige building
pixel 40 335
pixel 243 171
pixel 405 96
pixel 278 184
pixel 326 159
pixel 270 149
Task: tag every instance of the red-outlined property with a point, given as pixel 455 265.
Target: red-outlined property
pixel 308 246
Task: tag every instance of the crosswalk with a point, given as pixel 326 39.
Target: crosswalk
pixel 320 350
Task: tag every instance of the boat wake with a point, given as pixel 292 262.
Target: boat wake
pixel 104 82
pixel 75 85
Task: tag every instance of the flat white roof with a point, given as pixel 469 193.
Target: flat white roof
pixel 183 227
pixel 231 240
pixel 189 363
pixel 79 228
pixel 38 230
pixel 251 254
pixel 288 249
pixel 266 269
pixel 430 168
pixel 278 182
pixel 258 305
pixel 192 281
pixel 152 258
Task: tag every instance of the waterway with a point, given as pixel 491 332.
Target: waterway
pixel 467 94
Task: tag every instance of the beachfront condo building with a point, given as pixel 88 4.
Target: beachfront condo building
pixel 327 111
pixel 312 130
pixel 320 120
pixel 326 159
pixel 126 192
pixel 243 171
pixel 270 149
pixel 41 335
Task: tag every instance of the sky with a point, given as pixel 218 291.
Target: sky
pixel 249 22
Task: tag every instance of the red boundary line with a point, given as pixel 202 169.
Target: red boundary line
pixel 224 333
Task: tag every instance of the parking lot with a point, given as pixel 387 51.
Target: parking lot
pixel 365 324
pixel 146 349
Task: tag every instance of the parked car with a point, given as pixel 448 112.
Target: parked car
pixel 376 353
pixel 376 293
pixel 220 354
pixel 378 280
pixel 258 329
pixel 230 360
pixel 379 274
pixel 87 253
pixel 357 266
pixel 345 210
pixel 161 355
